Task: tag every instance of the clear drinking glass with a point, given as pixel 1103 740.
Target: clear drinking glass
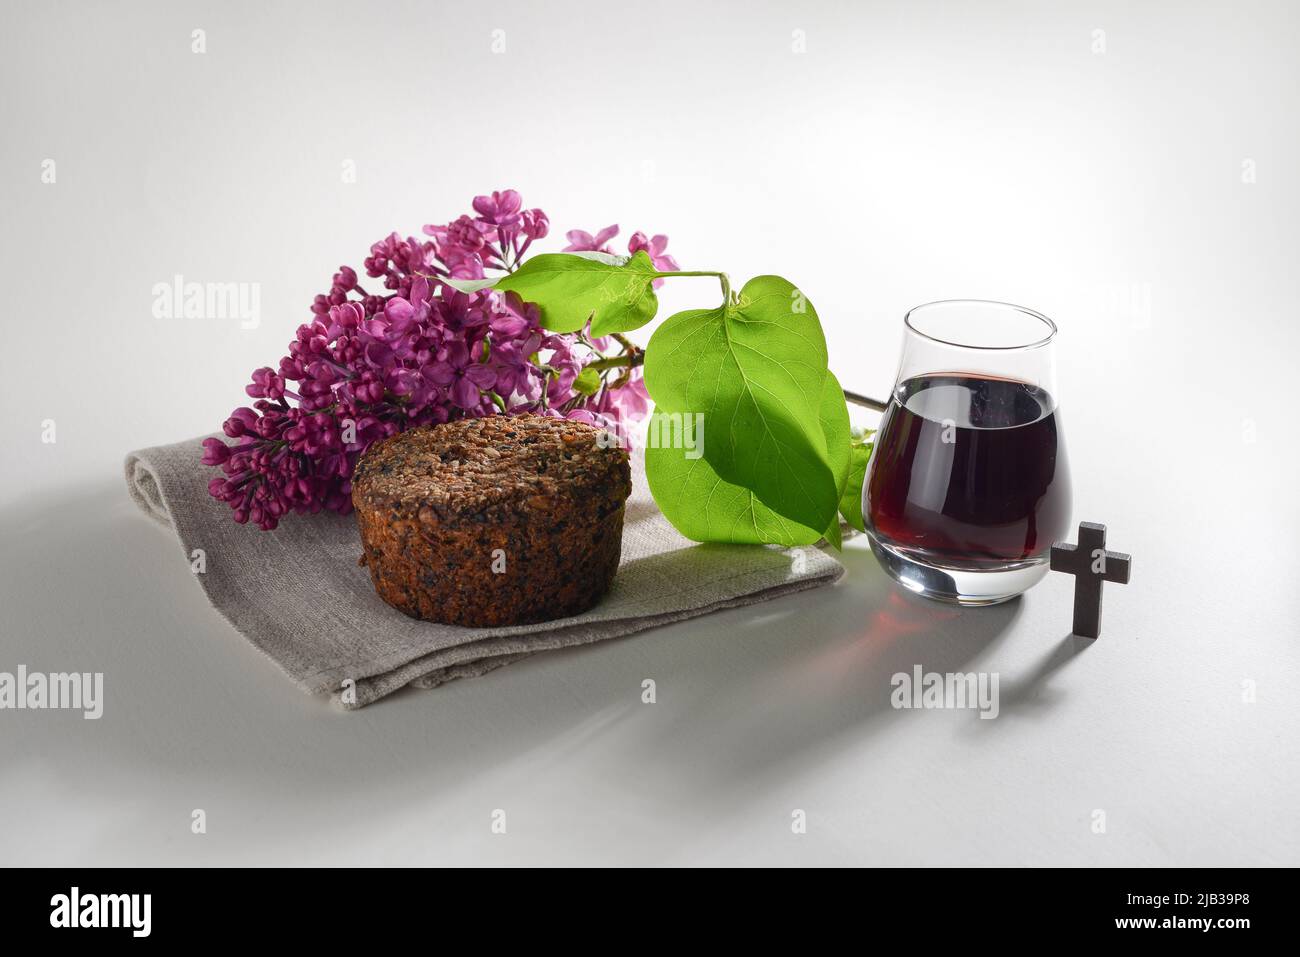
pixel 968 484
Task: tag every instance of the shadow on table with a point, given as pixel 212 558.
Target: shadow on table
pixel 1031 691
pixel 744 696
pixel 805 682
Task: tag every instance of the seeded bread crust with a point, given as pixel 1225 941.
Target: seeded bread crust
pixel 503 520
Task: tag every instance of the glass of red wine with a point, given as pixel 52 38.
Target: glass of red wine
pixel 968 485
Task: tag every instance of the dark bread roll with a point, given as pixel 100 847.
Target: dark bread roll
pixel 503 520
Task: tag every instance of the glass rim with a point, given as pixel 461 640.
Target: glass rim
pixel 1051 326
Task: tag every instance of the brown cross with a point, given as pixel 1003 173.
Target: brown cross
pixel 1090 564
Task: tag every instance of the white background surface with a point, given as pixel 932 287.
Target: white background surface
pixel 914 152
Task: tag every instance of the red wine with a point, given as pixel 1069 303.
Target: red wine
pixel 969 472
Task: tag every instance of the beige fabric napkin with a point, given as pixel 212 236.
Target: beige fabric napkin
pixel 298 594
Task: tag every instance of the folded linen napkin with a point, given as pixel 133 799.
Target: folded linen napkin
pixel 299 596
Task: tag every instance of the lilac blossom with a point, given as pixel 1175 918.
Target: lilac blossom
pixel 581 241
pixel 399 348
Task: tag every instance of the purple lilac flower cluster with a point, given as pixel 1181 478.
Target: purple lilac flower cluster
pixel 371 364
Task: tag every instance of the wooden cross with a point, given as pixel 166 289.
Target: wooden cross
pixel 1090 564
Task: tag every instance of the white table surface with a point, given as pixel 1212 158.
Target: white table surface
pixel 913 152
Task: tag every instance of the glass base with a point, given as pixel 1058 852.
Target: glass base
pixel 959 586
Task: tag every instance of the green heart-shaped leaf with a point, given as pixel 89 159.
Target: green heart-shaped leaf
pixel 755 370
pixel 570 289
pixel 706 508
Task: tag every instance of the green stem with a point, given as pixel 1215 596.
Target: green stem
pixel 857 398
pixel 722 277
pixel 613 362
